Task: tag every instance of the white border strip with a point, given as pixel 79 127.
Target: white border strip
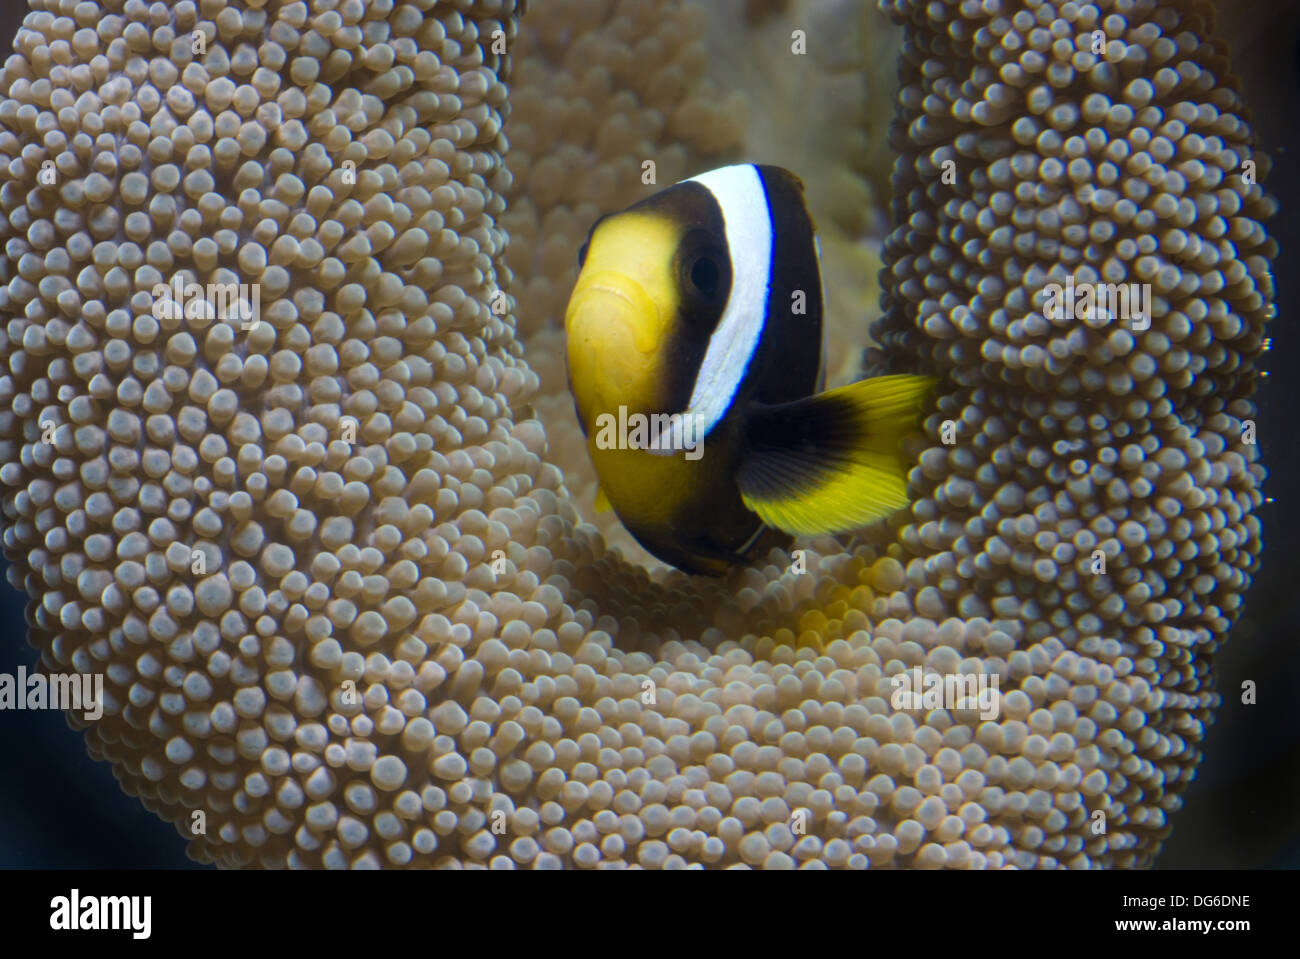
pixel 748 222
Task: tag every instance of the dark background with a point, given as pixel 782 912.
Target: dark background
pixel 1243 809
pixel 59 809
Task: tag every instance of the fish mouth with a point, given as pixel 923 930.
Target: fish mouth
pixel 613 344
pixel 611 312
pixel 613 290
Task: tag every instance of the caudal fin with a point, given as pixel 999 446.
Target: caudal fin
pixel 833 462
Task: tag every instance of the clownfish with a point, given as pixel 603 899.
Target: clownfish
pixel 694 351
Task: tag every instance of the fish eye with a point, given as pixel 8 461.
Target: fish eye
pixel 705 274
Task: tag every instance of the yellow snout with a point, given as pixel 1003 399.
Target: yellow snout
pixel 614 338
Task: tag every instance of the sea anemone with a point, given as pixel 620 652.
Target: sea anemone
pixel 345 609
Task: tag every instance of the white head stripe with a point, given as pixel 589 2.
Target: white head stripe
pixel 748 223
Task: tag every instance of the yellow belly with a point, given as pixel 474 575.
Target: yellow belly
pixel 646 490
pixel 687 512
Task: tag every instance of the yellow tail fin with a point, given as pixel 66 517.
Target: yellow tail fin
pixel 833 462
